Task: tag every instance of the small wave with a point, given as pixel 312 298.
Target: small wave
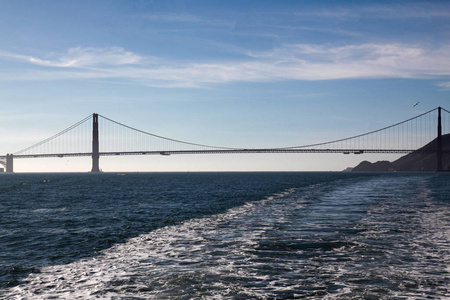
pixel 49 210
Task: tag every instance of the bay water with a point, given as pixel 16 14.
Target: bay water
pixel 234 235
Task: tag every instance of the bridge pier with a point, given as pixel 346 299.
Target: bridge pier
pixel 9 163
pixel 95 147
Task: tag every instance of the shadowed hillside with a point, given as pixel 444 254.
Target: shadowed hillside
pixel 416 161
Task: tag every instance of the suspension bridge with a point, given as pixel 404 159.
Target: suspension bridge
pixel 97 136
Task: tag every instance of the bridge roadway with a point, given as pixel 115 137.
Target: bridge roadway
pixel 224 151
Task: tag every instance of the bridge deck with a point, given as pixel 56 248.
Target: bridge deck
pixel 227 151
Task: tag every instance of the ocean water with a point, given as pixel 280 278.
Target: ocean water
pixel 225 236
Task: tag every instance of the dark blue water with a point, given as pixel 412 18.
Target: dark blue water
pixel 224 236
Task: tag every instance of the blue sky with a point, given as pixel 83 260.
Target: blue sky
pixel 228 73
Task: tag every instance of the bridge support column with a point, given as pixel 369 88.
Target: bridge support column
pixel 439 167
pixel 95 147
pixel 9 163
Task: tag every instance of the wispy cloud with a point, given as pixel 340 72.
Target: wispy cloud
pixel 187 19
pixel 405 10
pixel 290 62
pixel 311 62
pixel 444 85
pixel 417 10
pixel 81 57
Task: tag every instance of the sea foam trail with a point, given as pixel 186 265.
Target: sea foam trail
pixel 150 265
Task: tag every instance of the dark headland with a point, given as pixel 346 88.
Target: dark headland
pixel 417 161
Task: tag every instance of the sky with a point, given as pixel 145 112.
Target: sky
pixel 229 73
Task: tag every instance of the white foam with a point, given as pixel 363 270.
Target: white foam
pixel 48 210
pixel 154 263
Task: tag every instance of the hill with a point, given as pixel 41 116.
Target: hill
pixel 416 161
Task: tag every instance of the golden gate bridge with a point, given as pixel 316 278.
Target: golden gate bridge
pixel 97 136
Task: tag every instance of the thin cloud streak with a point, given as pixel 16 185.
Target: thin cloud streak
pixel 425 10
pixel 444 85
pixel 81 57
pixel 290 62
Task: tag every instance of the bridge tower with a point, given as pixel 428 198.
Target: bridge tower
pixel 439 167
pixel 9 163
pixel 95 148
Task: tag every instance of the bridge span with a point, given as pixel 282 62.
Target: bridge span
pixel 92 138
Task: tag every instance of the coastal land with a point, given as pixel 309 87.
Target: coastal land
pixel 421 160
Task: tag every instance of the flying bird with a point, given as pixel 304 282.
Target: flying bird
pixel 416 103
